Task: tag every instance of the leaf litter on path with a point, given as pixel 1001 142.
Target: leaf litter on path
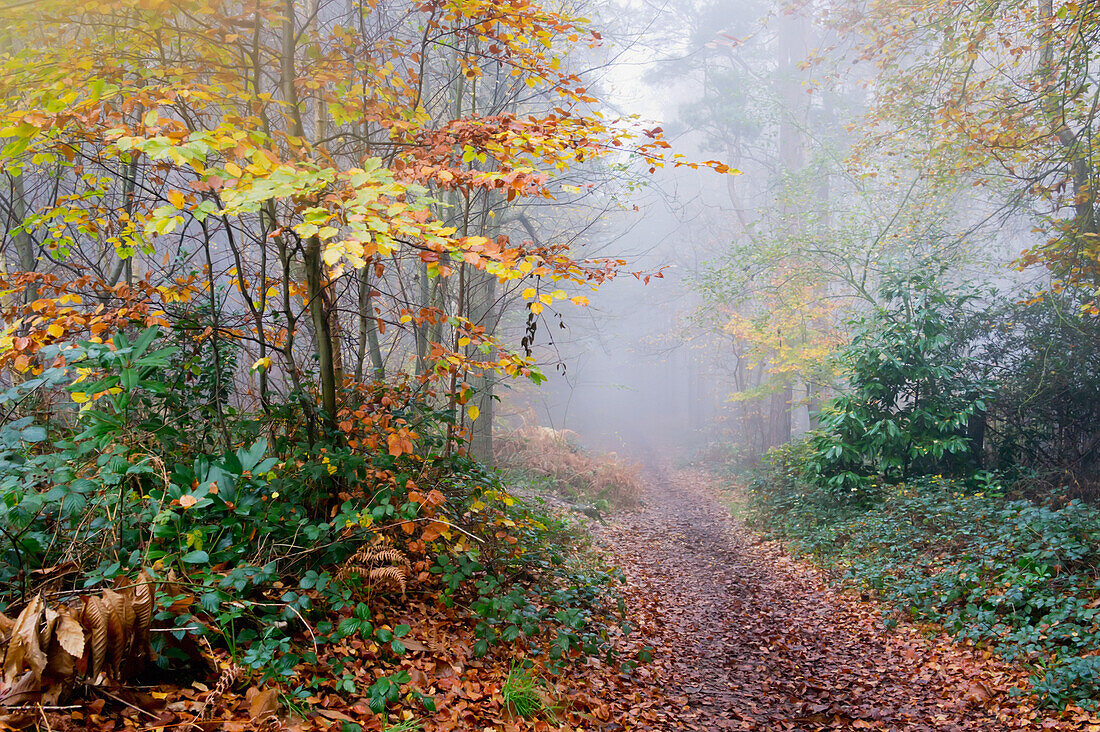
pixel 747 638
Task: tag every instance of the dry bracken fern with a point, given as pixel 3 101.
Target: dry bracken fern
pixel 380 568
pixel 226 679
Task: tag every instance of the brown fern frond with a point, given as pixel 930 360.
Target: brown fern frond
pixel 376 556
pixel 391 556
pixel 226 679
pixel 380 567
pixel 392 576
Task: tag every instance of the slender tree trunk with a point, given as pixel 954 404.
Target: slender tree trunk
pixel 1077 152
pixel 481 294
pixel 326 363
pixel 368 330
pixel 24 243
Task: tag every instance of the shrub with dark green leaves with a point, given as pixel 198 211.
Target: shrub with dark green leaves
pixel 911 395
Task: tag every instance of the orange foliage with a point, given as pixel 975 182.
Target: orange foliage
pixel 554 454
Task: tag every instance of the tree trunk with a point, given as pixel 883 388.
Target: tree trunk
pixel 326 363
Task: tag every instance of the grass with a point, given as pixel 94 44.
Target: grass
pixel 521 694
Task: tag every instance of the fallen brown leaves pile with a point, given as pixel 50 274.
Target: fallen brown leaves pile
pixel 101 637
pixel 753 640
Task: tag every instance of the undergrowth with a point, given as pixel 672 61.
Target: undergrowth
pixel 283 549
pixel 1018 577
pixel 521 693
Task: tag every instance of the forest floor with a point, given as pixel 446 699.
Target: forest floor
pixel 747 638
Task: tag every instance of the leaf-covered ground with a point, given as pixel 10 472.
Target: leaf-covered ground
pixel 742 637
pixel 748 639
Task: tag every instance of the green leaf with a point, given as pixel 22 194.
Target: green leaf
pixel 347 626
pixel 195 557
pixel 34 433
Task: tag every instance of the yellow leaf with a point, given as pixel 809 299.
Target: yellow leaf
pixel 233 170
pixel 462 342
pixel 55 330
pixel 262 364
pixel 80 397
pixel 579 300
pixel 474 412
pixel 529 293
pixel 332 254
pixel 176 199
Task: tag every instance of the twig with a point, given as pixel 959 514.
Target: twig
pixel 311 635
pixel 45 719
pixel 104 692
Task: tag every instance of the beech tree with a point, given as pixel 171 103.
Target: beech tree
pixel 317 183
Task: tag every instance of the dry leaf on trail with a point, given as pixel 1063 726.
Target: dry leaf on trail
pixel 335 715
pixel 69 635
pixel 94 621
pixel 24 691
pixel 977 693
pixel 262 704
pixel 24 648
pixel 412 644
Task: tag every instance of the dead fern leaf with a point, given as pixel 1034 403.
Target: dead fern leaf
pixel 382 568
pixel 94 620
pixel 24 648
pixel 388 576
pixel 226 679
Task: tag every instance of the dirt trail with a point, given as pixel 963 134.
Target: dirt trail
pixel 747 638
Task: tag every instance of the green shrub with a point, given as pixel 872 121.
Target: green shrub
pixel 911 395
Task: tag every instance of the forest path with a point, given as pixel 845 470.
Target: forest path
pixel 748 638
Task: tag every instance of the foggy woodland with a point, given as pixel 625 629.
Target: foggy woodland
pixel 539 365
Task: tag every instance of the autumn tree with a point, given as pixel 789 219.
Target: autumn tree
pixel 322 186
pixel 999 96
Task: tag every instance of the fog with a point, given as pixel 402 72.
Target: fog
pixel 661 368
